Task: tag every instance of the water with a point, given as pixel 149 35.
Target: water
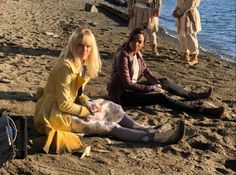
pixel 218 19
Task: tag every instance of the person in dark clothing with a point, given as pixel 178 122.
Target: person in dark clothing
pixel 125 87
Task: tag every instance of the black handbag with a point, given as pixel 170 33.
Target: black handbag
pixel 7 136
pixel 22 136
pixel 13 137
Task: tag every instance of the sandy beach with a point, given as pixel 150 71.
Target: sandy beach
pixel 32 34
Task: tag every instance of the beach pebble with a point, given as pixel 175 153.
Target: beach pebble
pixel 90 8
pixel 3 80
pixel 86 152
pixel 31 94
pixel 52 34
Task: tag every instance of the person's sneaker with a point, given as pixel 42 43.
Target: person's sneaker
pixel 171 136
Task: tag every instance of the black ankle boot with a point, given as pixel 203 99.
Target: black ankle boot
pixel 201 95
pixel 214 112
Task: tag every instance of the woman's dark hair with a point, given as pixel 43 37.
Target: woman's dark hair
pixel 135 32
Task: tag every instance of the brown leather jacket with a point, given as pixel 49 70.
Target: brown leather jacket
pixel 122 74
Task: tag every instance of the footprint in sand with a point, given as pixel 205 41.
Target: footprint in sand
pixel 200 145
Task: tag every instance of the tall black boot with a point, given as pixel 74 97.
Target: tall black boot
pixel 201 95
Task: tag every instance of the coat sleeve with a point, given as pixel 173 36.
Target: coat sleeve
pixel 130 4
pixel 147 73
pixel 158 5
pixel 151 78
pixel 124 74
pixel 187 6
pixel 65 103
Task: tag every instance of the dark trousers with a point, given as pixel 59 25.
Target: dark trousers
pixel 131 98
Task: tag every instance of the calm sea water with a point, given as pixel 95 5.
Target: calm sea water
pixel 218 19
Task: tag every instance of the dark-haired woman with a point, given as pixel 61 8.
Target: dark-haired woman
pixel 125 87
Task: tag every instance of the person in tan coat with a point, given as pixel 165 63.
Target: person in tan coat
pixel 63 110
pixel 188 24
pixel 144 14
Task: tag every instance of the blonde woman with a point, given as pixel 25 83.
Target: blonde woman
pixel 64 110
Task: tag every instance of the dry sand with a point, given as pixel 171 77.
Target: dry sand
pixel 33 32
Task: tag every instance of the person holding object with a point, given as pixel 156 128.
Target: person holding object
pixel 188 24
pixel 126 88
pixel 64 110
pixel 144 14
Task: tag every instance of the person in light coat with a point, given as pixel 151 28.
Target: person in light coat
pixel 188 24
pixel 144 14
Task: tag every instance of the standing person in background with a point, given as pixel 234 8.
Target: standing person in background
pixel 188 24
pixel 144 14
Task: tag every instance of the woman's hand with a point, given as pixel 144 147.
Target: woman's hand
pixel 92 106
pixel 159 90
pixel 156 12
pixel 130 13
pixel 176 13
pixel 96 107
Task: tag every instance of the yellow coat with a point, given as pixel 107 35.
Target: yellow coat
pixel 56 105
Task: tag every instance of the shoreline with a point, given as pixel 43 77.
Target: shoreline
pixel 121 12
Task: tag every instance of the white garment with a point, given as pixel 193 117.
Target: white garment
pixel 189 43
pixel 111 115
pixel 135 68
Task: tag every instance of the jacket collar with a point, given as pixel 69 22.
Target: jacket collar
pixel 74 65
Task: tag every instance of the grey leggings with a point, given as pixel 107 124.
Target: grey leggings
pixel 129 130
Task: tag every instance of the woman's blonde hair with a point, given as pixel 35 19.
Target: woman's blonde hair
pixel 83 36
